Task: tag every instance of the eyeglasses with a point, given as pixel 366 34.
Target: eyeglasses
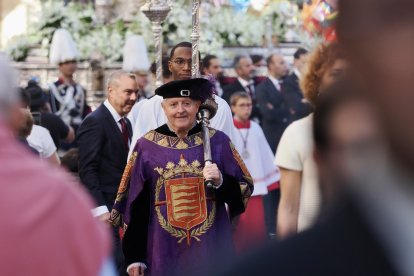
pixel 181 62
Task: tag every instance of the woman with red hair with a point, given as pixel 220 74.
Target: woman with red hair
pixel 300 195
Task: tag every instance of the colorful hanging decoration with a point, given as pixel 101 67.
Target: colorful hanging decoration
pixel 319 17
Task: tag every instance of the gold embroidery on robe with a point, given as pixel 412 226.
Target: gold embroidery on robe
pixel 244 186
pixel 115 217
pixel 175 142
pixel 185 199
pixel 181 145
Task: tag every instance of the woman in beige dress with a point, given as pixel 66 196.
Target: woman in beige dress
pixel 300 195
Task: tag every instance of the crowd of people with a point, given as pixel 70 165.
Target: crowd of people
pixel 309 168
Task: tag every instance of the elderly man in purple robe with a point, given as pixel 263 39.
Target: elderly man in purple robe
pixel 174 223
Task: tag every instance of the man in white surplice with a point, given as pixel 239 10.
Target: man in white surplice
pixel 151 115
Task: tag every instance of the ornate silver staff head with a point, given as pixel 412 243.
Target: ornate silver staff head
pixel 195 38
pixel 157 11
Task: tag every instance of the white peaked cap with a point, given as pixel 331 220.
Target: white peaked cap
pixel 135 55
pixel 62 48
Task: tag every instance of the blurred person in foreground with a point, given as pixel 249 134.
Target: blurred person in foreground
pixel 174 222
pixel 250 229
pixel 300 200
pixel 347 239
pixel 44 211
pixel 378 37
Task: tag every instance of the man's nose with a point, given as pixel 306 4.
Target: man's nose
pixel 180 108
pixel 187 66
pixel 134 96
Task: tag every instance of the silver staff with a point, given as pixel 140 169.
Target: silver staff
pixel 195 39
pixel 157 11
pixel 209 108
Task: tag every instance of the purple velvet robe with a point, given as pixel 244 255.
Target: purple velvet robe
pixel 174 223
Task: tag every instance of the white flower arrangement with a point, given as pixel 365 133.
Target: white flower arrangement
pixel 219 27
pixel 285 18
pixel 104 42
pixel 18 48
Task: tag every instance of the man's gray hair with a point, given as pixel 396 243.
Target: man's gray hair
pixel 237 59
pixel 114 77
pixel 8 86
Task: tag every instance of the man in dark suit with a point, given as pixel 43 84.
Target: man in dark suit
pixel 244 68
pixel 104 138
pixel 275 118
pixel 274 108
pixel 212 66
pixel 291 89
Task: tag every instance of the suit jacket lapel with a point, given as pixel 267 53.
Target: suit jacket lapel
pixel 272 87
pixel 240 88
pixel 129 126
pixel 114 129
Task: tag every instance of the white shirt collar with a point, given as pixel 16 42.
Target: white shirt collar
pixel 296 72
pixel 275 82
pixel 112 110
pixel 244 82
pixel 219 90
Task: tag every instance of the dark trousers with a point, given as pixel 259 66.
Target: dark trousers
pixel 271 204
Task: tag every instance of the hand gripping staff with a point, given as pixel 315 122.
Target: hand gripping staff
pixel 207 111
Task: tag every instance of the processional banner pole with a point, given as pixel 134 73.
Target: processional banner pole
pixel 195 39
pixel 209 107
pixel 157 11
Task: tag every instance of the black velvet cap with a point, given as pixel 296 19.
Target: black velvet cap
pixel 197 89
